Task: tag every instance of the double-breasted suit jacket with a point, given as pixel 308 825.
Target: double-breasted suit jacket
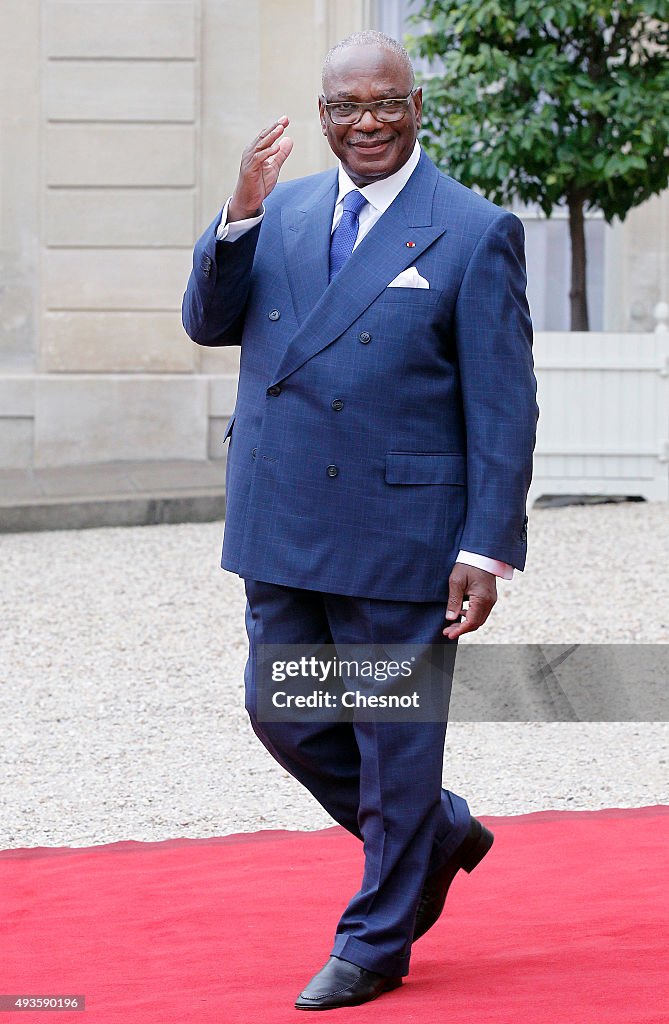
pixel 377 430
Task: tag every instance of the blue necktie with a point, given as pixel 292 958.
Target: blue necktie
pixel 346 232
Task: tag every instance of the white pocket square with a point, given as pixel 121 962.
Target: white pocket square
pixel 409 278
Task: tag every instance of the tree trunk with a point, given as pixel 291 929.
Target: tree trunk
pixel 578 297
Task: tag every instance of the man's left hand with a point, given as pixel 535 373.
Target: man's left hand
pixel 481 589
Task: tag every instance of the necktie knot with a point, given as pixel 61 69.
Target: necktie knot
pixel 345 234
pixel 354 202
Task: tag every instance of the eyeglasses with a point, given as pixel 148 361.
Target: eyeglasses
pixel 343 112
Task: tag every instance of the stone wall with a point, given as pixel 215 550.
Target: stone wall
pixel 122 128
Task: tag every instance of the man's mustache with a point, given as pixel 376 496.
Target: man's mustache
pixel 370 137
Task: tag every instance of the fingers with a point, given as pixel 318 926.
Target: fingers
pixel 268 147
pixel 475 615
pixel 259 169
pixel 456 592
pixel 277 154
pixel 284 148
pixel 268 136
pixel 481 588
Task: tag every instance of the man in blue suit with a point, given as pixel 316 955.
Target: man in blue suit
pixel 379 461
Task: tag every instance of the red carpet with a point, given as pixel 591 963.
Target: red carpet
pixel 564 923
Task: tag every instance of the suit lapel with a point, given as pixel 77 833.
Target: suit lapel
pixel 306 244
pixel 326 310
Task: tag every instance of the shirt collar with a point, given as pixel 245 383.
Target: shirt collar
pixel 380 194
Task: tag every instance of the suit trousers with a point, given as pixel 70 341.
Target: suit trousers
pixel 381 780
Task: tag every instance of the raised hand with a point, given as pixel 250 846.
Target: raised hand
pixel 259 170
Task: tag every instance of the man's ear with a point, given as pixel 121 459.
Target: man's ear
pixel 321 114
pixel 418 105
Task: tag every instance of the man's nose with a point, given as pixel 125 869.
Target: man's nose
pixel 368 123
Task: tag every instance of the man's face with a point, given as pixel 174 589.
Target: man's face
pixel 370 150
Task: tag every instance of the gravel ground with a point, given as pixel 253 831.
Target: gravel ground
pixel 121 661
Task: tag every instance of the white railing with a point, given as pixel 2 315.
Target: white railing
pixel 604 423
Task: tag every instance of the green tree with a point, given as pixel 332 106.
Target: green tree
pixel 563 102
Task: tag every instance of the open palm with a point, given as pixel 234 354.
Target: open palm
pixel 259 171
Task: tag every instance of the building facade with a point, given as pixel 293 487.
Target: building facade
pixel 122 128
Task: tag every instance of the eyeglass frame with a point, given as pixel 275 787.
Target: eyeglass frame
pixel 363 107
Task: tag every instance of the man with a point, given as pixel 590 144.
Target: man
pixel 379 461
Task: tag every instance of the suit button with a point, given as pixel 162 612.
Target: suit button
pixel 274 390
pixel 365 337
pixel 254 452
pixel 337 405
pixel 332 470
pixel 274 314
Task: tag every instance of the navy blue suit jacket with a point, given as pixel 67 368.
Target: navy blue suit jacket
pixel 376 430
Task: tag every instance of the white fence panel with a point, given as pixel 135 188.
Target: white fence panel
pixel 604 414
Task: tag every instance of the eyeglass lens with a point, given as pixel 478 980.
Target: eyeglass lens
pixel 381 110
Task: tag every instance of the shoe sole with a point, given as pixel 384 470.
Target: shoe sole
pixel 391 984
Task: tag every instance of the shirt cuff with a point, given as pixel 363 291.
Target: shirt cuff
pixel 489 564
pixel 231 232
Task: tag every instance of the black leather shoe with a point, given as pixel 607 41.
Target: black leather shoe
pixel 341 983
pixel 469 853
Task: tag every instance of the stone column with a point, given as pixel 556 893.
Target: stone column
pixel 119 123
pixel 20 192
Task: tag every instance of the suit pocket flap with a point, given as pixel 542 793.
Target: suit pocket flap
pixel 427 468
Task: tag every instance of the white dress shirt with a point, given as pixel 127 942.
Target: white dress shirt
pixel 379 196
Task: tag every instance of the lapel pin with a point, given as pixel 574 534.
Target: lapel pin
pixel 411 245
